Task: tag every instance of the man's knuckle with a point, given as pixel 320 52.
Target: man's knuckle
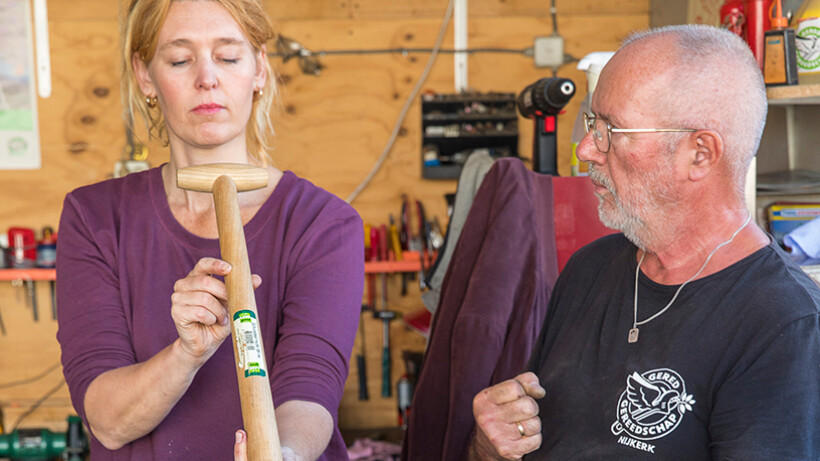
pixel 483 420
pixel 507 452
pixel 533 407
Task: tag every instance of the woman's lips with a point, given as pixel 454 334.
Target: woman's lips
pixel 207 109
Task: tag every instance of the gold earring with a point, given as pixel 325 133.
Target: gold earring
pixel 257 94
pixel 151 101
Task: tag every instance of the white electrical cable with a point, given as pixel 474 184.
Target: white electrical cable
pixel 410 98
pixel 41 44
pixel 460 43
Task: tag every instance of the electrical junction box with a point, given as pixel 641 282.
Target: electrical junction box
pixel 549 51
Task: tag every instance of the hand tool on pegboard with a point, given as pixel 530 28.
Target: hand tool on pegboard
pixel 18 283
pixel 395 240
pixel 47 259
pixel 414 224
pixel 2 325
pixel 424 235
pixel 31 295
pixel 361 358
pixel 53 287
pixel 384 315
pixel 225 181
pixel 404 239
pixel 374 256
pixel 404 398
pixel 361 363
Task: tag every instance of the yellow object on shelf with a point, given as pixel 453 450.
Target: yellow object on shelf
pixel 806 22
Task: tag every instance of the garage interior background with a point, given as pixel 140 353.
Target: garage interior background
pixel 331 129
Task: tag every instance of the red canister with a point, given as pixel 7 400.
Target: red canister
pixel 22 248
pixel 757 23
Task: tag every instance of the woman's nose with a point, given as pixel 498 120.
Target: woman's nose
pixel 206 74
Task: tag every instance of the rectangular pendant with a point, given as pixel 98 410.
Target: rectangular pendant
pixel 633 335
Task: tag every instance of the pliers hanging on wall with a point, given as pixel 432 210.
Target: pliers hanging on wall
pixel 414 225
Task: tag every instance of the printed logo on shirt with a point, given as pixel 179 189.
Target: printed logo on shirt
pixel 651 407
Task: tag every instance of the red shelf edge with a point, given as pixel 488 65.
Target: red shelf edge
pixel 8 275
pixel 411 262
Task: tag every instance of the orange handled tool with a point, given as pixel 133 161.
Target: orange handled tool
pixel 225 180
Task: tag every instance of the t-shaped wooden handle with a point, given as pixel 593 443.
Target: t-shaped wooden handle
pixel 225 180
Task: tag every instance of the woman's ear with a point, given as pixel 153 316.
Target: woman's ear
pixel 261 76
pixel 143 76
pixel 707 152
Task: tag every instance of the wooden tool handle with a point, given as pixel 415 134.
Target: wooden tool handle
pixel 252 371
pixel 201 178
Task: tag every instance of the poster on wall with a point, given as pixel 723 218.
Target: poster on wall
pixel 19 133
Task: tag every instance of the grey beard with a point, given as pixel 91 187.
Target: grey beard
pixel 621 218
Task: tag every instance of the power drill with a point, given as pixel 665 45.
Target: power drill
pixel 42 444
pixel 543 101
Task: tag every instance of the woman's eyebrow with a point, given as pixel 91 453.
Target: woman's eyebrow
pixel 184 42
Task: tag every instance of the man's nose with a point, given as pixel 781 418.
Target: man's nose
pixel 588 152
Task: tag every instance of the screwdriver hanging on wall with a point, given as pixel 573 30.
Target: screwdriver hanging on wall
pixel 2 325
pixel 31 292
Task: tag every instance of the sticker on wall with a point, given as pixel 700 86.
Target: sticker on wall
pixel 19 133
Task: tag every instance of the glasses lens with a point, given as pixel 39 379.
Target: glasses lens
pixel 600 132
pixel 598 127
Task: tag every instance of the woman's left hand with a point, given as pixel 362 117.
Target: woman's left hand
pixel 240 449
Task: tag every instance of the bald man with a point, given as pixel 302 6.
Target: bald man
pixel 690 335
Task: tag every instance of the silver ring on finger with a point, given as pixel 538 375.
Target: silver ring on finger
pixel 520 428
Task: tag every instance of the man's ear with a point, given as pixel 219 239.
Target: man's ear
pixel 707 152
pixel 143 76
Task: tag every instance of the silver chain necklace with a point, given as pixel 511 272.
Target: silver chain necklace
pixel 633 332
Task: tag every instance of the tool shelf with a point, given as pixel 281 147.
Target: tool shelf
pixel 789 144
pixel 453 126
pixel 34 274
pixel 787 163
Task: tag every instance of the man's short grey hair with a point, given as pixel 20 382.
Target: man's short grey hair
pixel 716 84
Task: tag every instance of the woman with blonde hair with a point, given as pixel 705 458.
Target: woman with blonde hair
pixel 142 320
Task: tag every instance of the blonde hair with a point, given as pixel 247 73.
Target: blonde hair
pixel 140 29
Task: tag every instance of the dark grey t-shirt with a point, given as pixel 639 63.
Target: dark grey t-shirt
pixel 730 371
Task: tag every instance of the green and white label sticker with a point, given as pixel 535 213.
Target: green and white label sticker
pixel 807 43
pixel 251 356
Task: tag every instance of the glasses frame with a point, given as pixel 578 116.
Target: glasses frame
pixel 589 122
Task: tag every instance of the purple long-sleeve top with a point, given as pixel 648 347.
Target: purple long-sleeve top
pixel 121 250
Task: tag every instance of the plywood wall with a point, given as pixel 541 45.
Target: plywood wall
pixel 331 128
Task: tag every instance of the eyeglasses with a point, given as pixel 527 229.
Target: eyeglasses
pixel 597 126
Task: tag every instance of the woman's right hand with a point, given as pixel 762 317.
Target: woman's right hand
pixel 199 310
